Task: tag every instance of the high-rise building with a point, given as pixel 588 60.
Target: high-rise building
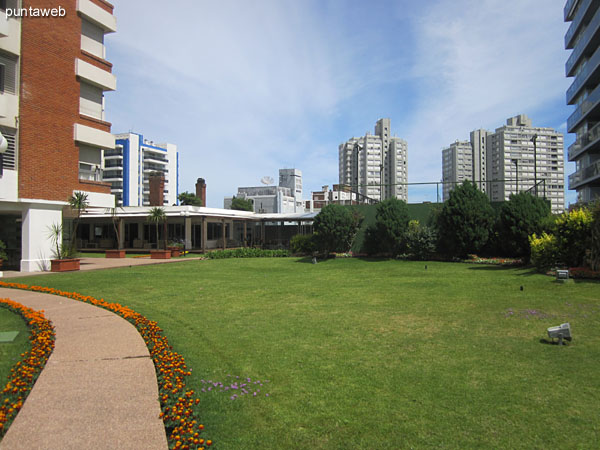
pixel 375 166
pixel 53 75
pixel 515 157
pixel 292 179
pixel 583 36
pixel 131 164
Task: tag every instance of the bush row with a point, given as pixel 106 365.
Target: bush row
pixel 247 253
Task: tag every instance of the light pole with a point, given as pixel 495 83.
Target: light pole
pixel 534 140
pixel 516 163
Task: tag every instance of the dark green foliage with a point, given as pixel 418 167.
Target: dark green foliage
pixel 387 235
pixel 465 221
pixel 242 204
pixel 190 199
pixel 595 226
pixel 334 229
pixel 420 241
pixel 302 244
pixel 520 217
pixel 247 253
pixel 3 256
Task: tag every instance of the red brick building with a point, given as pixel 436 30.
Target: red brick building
pixel 54 74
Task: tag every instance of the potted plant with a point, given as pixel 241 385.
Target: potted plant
pixel 157 216
pixel 118 252
pixel 63 257
pixel 78 202
pixel 176 248
pixel 3 255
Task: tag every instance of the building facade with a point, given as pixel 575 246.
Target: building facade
pixel 284 198
pixel 375 166
pixel 54 74
pixel 583 37
pixel 129 167
pixel 514 158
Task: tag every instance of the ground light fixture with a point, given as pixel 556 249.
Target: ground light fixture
pixel 563 331
pixel 3 148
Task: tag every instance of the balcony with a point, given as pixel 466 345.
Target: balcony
pixel 90 174
pixel 583 110
pixel 155 160
pixel 585 175
pixel 567 11
pixel 576 23
pixel 583 143
pixel 589 74
pixel 587 42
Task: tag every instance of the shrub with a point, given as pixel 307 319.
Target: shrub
pixel 334 229
pixel 247 253
pixel 302 244
pixel 420 241
pixel 595 226
pixel 573 231
pixel 520 217
pixel 465 222
pixel 543 251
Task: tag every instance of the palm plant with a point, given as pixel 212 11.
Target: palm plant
pixel 156 216
pixel 78 202
pixel 116 222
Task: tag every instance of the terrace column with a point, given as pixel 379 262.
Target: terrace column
pixel 203 235
pixel 245 232
pixel 262 234
pixel 121 225
pixel 223 234
pixel 188 232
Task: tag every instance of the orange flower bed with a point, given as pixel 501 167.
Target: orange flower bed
pixel 177 403
pixel 23 375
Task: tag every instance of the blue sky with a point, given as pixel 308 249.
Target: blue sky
pixel 245 88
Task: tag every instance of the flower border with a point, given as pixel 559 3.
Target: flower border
pixel 24 373
pixel 176 401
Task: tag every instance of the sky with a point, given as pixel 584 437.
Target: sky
pixel 246 88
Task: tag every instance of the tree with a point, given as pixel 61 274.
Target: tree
pixel 78 202
pixel 420 241
pixel 242 204
pixel 157 215
pixel 188 198
pixel 520 217
pixel 574 236
pixel 387 235
pixel 465 221
pixel 335 228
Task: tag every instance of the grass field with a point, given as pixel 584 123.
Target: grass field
pixel 373 354
pixel 10 352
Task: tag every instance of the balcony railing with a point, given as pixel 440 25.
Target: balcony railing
pixel 590 102
pixel 589 67
pixel 580 144
pixel 583 7
pixel 568 7
pixel 583 43
pixel 584 175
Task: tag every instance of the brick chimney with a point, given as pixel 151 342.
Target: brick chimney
pixel 157 189
pixel 201 190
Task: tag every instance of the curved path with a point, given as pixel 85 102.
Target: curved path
pixel 98 389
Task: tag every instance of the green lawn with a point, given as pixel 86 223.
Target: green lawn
pixel 373 354
pixel 10 352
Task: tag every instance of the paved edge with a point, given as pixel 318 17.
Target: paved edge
pixel 98 389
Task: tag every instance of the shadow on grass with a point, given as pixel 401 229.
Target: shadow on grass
pixel 497 267
pixel 547 342
pixel 308 259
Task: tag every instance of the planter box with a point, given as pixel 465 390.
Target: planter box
pixel 175 251
pixel 160 254
pixel 64 265
pixel 115 253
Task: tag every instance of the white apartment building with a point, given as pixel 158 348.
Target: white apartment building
pixel 375 166
pixel 128 168
pixel 284 198
pixel 514 158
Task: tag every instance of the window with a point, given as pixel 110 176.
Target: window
pixel 9 158
pixel 90 101
pixel 8 73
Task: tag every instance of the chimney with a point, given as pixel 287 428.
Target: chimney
pixel 157 189
pixel 201 190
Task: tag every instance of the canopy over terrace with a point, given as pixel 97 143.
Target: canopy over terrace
pixel 198 228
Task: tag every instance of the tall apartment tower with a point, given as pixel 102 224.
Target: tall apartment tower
pixel 375 166
pixel 131 164
pixel 514 158
pixel 583 36
pixel 457 165
pixel 54 74
pixel 527 156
